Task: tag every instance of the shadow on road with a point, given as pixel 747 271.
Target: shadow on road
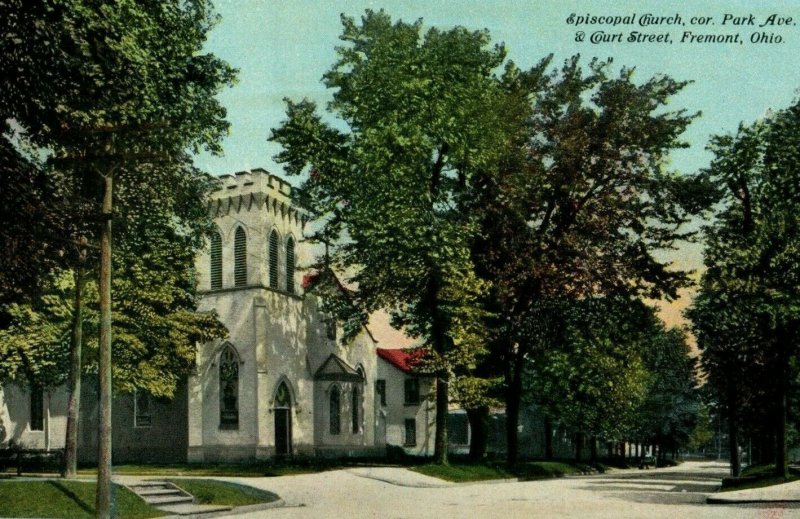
pixel 686 486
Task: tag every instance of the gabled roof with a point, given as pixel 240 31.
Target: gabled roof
pixel 404 360
pixel 335 368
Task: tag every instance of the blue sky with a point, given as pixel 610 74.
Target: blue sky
pixel 282 49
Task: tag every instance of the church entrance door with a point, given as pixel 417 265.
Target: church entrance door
pixel 283 432
pixel 283 421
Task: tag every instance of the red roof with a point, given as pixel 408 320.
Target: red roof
pixel 404 360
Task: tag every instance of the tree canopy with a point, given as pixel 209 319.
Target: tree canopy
pixel 415 117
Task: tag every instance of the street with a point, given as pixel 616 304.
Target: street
pixel 385 492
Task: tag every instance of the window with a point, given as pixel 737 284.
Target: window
pixel 272 254
pixel 290 265
pixel 216 261
pixel 240 258
pixel 228 388
pixel 334 410
pixel 355 405
pixel 380 389
pixel 411 432
pixel 412 391
pixel 37 408
pixel 330 328
pixel 142 415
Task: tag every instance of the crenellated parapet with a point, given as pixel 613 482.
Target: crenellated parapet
pixel 255 190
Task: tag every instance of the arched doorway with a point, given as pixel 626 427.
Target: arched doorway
pixel 283 421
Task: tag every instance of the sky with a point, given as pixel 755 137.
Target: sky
pixel 282 49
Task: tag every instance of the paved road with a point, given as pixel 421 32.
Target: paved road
pixel 672 493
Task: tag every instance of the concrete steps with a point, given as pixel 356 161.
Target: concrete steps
pixel 169 498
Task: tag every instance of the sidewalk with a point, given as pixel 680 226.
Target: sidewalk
pixel 785 493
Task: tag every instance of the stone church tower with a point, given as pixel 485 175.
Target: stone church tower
pixel 267 389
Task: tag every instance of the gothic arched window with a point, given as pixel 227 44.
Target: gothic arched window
pixel 290 265
pixel 335 409
pixel 216 261
pixel 240 258
pixel 355 405
pixel 228 388
pixel 272 254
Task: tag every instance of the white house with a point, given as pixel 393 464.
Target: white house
pixel 279 384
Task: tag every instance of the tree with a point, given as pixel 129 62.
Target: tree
pixel 415 119
pixel 133 88
pixel 746 315
pixel 581 203
pixel 669 411
pixel 592 373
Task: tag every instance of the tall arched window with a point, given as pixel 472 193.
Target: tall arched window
pixel 290 265
pixel 240 258
pixel 273 259
pixel 228 388
pixel 335 410
pixel 216 261
pixel 355 405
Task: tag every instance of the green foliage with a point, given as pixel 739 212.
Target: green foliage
pixel 747 315
pixel 703 432
pixel 416 120
pixel 592 375
pixel 671 406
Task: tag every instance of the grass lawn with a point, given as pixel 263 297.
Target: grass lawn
pixel 756 476
pixel 59 498
pixel 464 471
pixel 209 492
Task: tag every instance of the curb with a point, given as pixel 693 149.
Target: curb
pixel 280 503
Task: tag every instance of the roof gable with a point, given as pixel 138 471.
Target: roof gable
pixel 335 368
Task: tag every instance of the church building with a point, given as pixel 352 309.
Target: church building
pixel 280 384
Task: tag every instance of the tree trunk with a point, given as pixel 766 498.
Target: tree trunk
pixel 593 449
pixel 781 457
pixel 578 446
pixel 439 340
pixel 479 428
pixel 610 449
pixel 513 401
pixel 74 403
pixel 733 440
pixel 548 437
pixel 103 501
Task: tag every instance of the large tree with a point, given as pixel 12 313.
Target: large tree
pixel 132 87
pixel 583 203
pixel 413 118
pixel 746 316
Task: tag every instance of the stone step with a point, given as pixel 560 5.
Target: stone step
pixel 152 483
pixel 153 491
pixel 157 501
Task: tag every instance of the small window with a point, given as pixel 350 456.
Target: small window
pixel 290 265
pixel 37 408
pixel 240 258
pixel 272 253
pixel 228 389
pixel 412 391
pixel 380 389
pixel 355 405
pixel 335 409
pixel 330 328
pixel 411 432
pixel 142 409
pixel 216 261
